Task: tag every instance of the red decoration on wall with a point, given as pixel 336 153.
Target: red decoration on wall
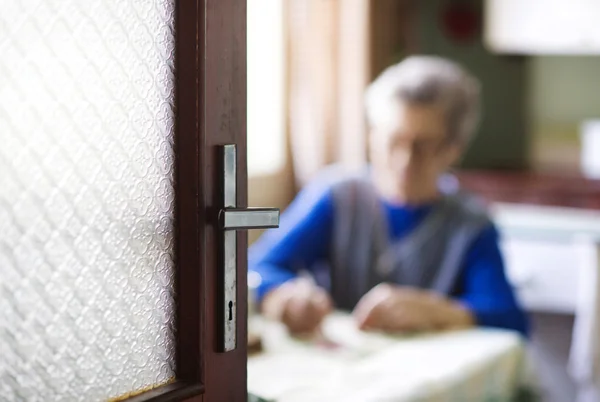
pixel 460 21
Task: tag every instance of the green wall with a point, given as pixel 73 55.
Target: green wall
pixel 501 140
pixel 564 89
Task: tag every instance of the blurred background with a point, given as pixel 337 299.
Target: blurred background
pixel 310 61
pixel 536 157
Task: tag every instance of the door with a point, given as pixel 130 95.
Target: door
pixel 112 118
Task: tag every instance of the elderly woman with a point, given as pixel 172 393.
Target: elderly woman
pixel 397 244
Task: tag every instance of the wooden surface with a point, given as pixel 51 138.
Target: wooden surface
pixel 550 188
pixel 174 392
pixel 190 303
pixel 223 121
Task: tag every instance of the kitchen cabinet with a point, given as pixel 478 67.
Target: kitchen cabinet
pixel 539 27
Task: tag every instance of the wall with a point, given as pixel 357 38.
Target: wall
pixel 391 33
pixel 275 190
pixel 502 140
pixel 563 91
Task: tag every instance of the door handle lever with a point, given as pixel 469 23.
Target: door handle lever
pixel 232 219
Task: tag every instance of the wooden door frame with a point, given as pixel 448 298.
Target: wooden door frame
pixel 210 70
pixel 223 122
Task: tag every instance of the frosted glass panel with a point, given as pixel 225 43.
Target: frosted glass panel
pixel 86 198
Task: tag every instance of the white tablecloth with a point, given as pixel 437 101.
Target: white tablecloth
pixel 472 365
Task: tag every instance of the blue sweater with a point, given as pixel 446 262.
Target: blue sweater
pixel 303 240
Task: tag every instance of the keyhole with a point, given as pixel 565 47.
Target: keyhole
pixel 230 310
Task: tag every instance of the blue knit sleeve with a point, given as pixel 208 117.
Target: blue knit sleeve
pixel 485 288
pixel 302 239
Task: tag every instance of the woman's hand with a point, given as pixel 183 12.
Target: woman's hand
pixel 299 304
pixel 393 308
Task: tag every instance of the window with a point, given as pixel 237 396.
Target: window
pixel 266 87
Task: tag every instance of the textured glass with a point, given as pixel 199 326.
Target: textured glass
pixel 86 198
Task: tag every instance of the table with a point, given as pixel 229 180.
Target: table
pixel 467 365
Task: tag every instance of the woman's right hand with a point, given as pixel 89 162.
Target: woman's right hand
pixel 299 304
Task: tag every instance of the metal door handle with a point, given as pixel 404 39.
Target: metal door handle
pixel 232 219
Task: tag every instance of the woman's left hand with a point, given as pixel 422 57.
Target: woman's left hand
pixel 394 308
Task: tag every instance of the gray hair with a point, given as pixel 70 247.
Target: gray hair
pixel 428 80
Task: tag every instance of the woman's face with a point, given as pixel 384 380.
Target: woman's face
pixel 410 151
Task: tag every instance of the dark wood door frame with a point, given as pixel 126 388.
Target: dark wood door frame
pixel 224 122
pixel 210 68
